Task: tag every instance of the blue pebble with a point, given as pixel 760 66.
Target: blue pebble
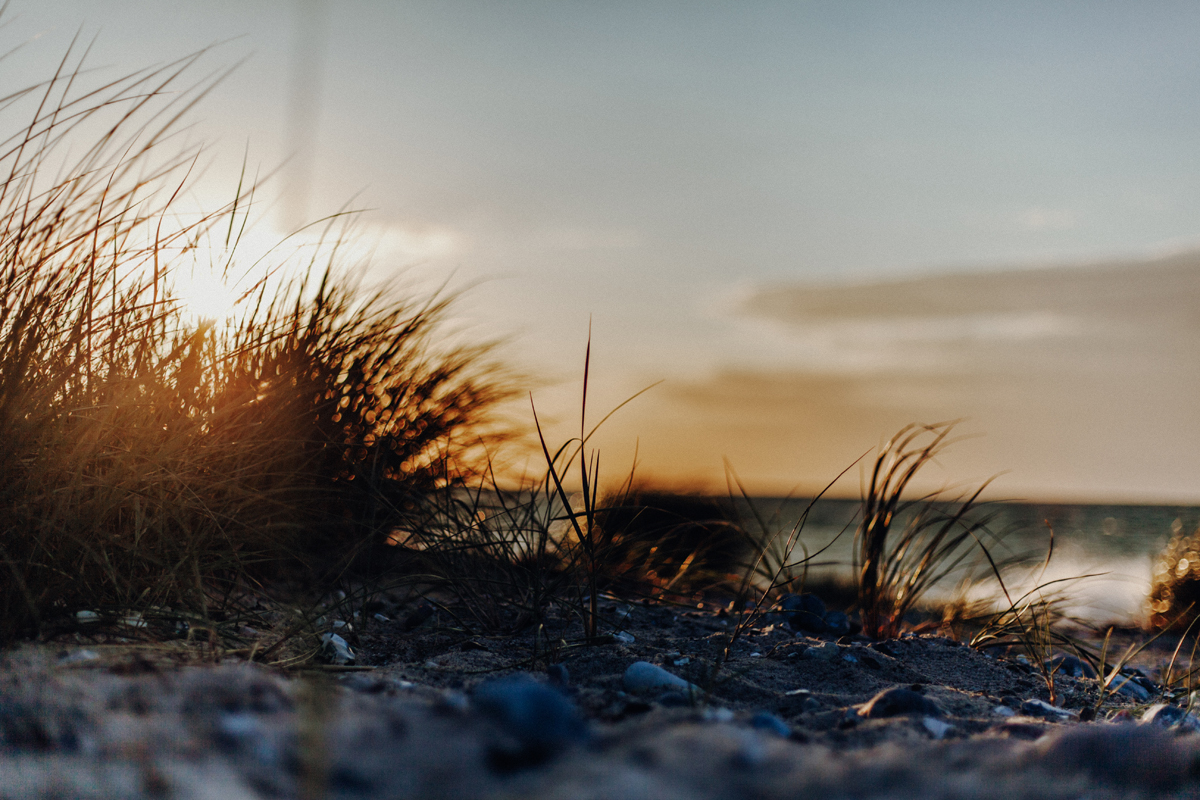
pixel 837 623
pixel 536 715
pixel 674 700
pixel 807 612
pixel 768 722
pixel 1071 665
pixel 558 674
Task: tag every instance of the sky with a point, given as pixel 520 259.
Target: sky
pixel 808 223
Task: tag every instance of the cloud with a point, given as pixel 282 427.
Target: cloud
pixel 414 242
pixel 1116 316
pixel 1040 218
pixel 570 238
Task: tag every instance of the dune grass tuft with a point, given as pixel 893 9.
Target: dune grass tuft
pixel 153 464
pixel 906 545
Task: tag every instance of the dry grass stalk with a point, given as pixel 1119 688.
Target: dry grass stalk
pixel 147 462
pixel 896 567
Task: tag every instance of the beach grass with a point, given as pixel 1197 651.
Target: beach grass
pixel 160 475
pixel 155 465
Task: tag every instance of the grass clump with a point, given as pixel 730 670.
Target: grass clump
pixel 1175 589
pixel 904 546
pixel 151 463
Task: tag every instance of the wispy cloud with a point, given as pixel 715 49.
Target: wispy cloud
pixel 1041 218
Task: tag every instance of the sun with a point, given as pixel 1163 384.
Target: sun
pixel 204 296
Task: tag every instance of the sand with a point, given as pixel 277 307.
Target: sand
pixel 782 717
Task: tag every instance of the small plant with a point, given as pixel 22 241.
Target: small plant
pixel 896 567
pixel 773 570
pixel 665 545
pixel 587 548
pixel 1029 624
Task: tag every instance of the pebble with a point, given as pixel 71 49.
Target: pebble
pixel 558 675
pixel 243 732
pixel 454 701
pixel 1131 686
pixel 539 717
pixel 718 715
pixel 937 729
pixel 365 684
pixel 1169 716
pixel 1144 757
pixel 766 721
pixel 1072 666
pixel 643 677
pixel 382 618
pixel 807 612
pixel 624 637
pixel 87 617
pixel 336 650
pixel 673 700
pixel 896 702
pixel 826 651
pixel 418 616
pixel 78 657
pixel 837 623
pixel 1040 708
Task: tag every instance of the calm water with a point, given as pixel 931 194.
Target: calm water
pixel 1120 542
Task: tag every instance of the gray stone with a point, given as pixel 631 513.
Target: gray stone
pixel 1168 716
pixel 1132 686
pixel 541 720
pixel 897 702
pixel 768 722
pixel 937 729
pixel 78 657
pixel 558 675
pixel 1141 756
pixel 335 649
pixel 826 651
pixel 837 623
pixel 1040 708
pixel 807 612
pixel 1070 665
pixel 642 677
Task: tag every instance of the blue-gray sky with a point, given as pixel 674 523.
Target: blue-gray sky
pixel 667 168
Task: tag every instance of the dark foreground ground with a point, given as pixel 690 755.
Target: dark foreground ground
pixel 435 712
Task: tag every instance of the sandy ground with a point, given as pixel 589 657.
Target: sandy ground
pixel 429 713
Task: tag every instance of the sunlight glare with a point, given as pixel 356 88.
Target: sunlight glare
pixel 213 284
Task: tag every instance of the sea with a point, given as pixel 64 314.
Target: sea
pixel 1101 564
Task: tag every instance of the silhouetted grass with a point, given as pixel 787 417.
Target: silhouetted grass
pixel 897 566
pixel 163 471
pixel 151 464
pixel 1175 593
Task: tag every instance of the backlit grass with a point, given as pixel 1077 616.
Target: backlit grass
pixel 151 463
